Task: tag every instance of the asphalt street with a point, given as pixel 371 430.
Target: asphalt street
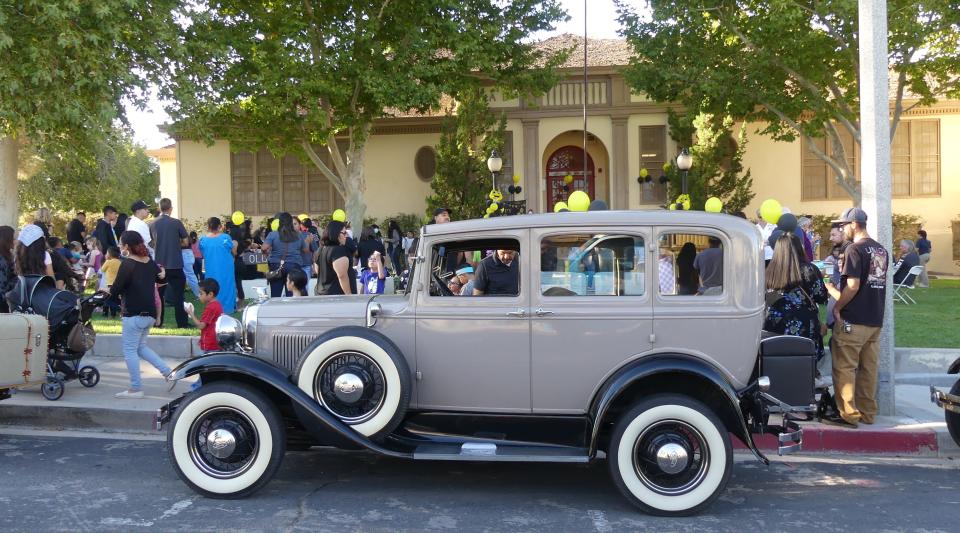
pixel 52 483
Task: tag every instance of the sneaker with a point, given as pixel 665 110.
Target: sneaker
pixel 129 394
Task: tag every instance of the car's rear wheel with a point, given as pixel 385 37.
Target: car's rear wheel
pixel 670 455
pixel 359 376
pixel 226 440
pixel 953 419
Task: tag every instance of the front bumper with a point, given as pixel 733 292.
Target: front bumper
pixel 949 402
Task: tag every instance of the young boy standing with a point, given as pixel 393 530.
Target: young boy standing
pixel 108 274
pixel 209 288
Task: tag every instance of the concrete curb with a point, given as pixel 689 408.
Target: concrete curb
pixel 68 417
pixel 918 441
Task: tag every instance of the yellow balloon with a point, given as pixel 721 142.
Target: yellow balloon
pixel 339 215
pixel 237 217
pixel 713 205
pixel 275 225
pixel 302 216
pixel 579 201
pixel 770 210
pixel 568 179
pixel 673 207
pixel 487 215
pixel 516 179
pixel 496 195
pixel 558 206
pixel 644 172
pixel 493 207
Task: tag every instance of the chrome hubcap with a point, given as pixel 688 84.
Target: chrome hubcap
pixel 221 443
pixel 348 388
pixel 672 458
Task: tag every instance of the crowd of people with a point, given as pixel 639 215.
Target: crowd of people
pixel 144 262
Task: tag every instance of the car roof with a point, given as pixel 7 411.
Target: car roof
pixel 652 217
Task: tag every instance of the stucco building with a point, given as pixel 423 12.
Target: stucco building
pixel 625 132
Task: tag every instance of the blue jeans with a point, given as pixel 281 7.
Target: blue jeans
pixel 134 341
pixel 189 272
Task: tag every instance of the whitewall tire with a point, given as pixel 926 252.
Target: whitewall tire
pixel 359 376
pixel 226 440
pixel 670 455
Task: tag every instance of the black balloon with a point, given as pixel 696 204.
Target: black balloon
pixel 664 180
pixel 517 190
pixel 598 205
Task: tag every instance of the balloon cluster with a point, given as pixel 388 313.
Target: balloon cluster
pixel 682 203
pixel 493 202
pixel 515 188
pixel 567 180
pixel 579 201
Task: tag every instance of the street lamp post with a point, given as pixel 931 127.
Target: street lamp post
pixel 684 162
pixel 494 164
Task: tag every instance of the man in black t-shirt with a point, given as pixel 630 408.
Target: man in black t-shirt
pixel 77 229
pixel 498 275
pixel 858 313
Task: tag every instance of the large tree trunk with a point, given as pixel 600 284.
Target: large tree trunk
pixel 9 199
pixel 355 186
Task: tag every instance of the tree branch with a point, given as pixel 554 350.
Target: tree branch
pixel 324 169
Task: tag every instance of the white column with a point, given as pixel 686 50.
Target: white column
pixel 875 167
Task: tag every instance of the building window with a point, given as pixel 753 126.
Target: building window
pixel 425 163
pixel 265 185
pixel 653 155
pixel 914 163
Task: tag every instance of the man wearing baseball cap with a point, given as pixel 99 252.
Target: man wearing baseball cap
pixel 858 314
pixel 136 223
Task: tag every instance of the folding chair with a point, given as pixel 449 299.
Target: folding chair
pixel 899 290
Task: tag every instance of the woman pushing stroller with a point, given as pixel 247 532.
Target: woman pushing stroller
pixel 136 287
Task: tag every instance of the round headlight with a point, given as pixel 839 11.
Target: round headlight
pixel 228 331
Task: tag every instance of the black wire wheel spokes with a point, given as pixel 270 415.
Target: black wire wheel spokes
pixel 671 457
pixel 223 442
pixel 351 385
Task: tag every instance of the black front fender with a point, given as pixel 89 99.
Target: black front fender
pixel 227 363
pixel 669 373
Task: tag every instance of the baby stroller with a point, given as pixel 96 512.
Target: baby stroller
pixel 71 335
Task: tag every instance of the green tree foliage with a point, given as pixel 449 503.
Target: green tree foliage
pixel 717 161
pixel 115 171
pixel 463 181
pixel 66 68
pixel 791 65
pixel 292 76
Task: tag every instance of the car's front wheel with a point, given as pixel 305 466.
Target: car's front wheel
pixel 226 440
pixel 953 419
pixel 670 455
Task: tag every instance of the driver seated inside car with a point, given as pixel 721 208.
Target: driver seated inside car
pixel 498 275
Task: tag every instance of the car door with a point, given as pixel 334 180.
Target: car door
pixel 473 352
pixel 591 311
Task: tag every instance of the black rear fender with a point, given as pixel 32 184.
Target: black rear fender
pixel 673 374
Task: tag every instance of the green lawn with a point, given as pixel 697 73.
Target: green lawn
pixel 935 321
pixel 112 325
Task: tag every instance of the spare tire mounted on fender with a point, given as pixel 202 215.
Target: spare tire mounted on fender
pixel 358 375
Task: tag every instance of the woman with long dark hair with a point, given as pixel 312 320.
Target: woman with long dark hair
pixel 7 276
pixel 688 279
pixel 218 251
pixel 333 261
pixel 395 246
pixel 32 256
pixel 284 249
pixel 136 286
pixel 794 288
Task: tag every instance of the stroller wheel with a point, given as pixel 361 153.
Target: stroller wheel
pixel 89 376
pixel 52 389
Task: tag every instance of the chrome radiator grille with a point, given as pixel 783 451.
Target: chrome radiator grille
pixel 287 348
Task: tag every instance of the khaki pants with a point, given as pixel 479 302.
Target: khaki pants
pixel 923 281
pixel 855 359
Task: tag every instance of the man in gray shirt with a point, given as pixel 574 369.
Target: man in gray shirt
pixel 169 236
pixel 709 263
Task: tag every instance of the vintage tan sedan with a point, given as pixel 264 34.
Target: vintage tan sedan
pixel 634 335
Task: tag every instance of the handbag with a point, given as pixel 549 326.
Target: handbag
pixel 81 338
pixel 278 273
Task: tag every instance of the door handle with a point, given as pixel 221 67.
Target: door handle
pixel 541 312
pixel 519 313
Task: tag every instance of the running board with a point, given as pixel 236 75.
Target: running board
pixel 484 451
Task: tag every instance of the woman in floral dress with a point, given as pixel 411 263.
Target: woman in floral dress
pixel 794 290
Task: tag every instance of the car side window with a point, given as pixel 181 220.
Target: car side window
pixel 476 267
pixel 592 264
pixel 690 264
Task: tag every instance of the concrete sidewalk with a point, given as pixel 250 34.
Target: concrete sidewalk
pixel 918 430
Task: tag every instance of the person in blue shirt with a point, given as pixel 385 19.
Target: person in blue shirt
pixel 372 278
pixel 923 250
pixel 285 249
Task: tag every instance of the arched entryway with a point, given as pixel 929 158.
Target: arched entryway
pixel 568 160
